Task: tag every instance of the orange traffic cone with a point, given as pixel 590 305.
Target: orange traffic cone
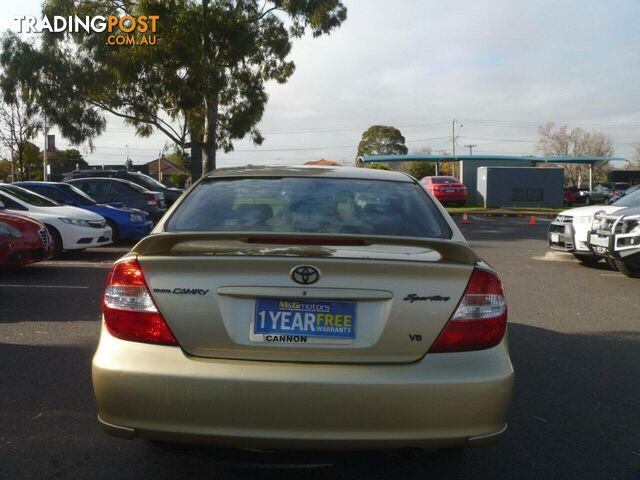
pixel 532 220
pixel 465 218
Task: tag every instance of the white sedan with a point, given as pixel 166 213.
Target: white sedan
pixel 71 228
pixel 569 231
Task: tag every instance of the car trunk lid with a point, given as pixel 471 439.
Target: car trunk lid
pixel 392 297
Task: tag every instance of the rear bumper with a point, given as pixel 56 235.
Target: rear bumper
pixel 158 392
pixel 451 197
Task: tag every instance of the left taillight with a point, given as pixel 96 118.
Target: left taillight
pixel 129 311
pixel 152 200
pixel 480 320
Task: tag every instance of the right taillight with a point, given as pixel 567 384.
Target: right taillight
pixel 129 311
pixel 480 319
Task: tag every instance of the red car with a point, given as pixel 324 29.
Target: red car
pixel 446 189
pixel 22 240
pixel 569 196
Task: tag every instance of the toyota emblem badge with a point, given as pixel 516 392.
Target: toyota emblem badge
pixel 305 274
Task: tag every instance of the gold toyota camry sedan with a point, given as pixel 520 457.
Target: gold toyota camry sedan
pixel 304 308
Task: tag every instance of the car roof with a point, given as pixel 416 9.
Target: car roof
pixel 99 170
pixel 36 183
pixel 100 179
pixel 310 171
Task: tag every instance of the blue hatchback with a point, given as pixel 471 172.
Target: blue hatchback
pixel 125 223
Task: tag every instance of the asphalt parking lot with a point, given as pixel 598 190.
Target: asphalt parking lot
pixel 574 339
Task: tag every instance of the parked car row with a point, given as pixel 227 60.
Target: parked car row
pixel 603 193
pixel 610 232
pixel 145 181
pixel 87 211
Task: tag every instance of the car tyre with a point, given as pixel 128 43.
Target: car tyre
pixel 587 260
pixel 587 201
pixel 630 270
pixel 57 241
pixel 115 235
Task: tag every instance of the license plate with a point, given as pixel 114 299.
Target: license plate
pixel 303 321
pixel 599 241
pixel 450 190
pixel 555 238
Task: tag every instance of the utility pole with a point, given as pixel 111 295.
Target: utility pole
pixel 453 138
pixel 453 143
pixel 471 147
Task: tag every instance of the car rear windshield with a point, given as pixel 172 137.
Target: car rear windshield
pixel 149 182
pixel 444 180
pixel 28 196
pixel 310 205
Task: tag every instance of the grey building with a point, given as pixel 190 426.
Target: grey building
pixel 519 187
pixel 469 171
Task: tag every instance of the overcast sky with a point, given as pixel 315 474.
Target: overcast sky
pixel 501 67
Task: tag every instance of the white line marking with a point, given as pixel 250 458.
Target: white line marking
pixel 73 264
pixel 43 286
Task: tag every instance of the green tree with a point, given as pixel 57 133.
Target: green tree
pixel 202 84
pixel 5 171
pixel 66 158
pixel 378 166
pixel 28 162
pixel 178 179
pixel 420 169
pixel 381 140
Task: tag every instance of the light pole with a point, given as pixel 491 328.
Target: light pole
pixel 46 147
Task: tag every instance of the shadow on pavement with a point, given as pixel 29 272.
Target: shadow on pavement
pixel 51 294
pixel 575 415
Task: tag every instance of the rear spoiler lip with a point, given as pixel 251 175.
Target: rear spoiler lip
pixel 159 244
